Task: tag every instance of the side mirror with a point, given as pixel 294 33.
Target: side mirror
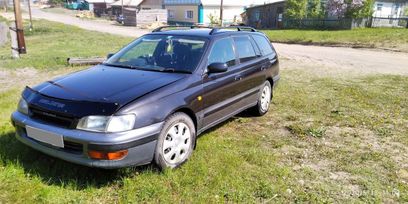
pixel 217 67
pixel 110 55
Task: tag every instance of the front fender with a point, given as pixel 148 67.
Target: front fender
pixel 158 105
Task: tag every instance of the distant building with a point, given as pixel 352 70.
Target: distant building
pixel 389 8
pixel 136 4
pixel 265 16
pixel 201 11
pixel 99 7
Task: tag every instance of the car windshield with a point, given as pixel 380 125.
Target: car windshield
pixel 161 53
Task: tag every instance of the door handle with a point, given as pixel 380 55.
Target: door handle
pixel 238 78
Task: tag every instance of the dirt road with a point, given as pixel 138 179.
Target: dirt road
pixel 95 25
pixel 325 60
pixel 343 60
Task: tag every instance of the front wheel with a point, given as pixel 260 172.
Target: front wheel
pixel 176 141
pixel 264 100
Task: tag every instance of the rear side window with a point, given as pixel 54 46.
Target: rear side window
pixel 222 52
pixel 246 51
pixel 263 44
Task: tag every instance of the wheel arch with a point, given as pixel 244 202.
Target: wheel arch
pixel 188 112
pixel 270 81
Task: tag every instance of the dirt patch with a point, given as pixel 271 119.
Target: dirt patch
pixel 19 78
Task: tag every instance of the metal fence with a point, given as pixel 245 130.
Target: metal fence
pixel 345 23
pixel 389 22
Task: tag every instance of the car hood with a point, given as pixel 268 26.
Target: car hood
pixel 106 84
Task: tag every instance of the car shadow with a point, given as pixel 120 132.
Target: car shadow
pixel 53 171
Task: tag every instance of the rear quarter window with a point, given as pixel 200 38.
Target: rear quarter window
pixel 263 44
pixel 246 51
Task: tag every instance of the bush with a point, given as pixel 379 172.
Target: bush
pixel 56 2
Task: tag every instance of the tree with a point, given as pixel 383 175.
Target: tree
pixel 314 9
pixel 350 8
pixel 296 9
pixel 336 8
pixel 406 11
pixel 359 8
pixel 214 20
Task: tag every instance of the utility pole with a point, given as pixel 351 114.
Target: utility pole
pixel 122 7
pixel 17 32
pixel 5 6
pixel 221 13
pixel 29 13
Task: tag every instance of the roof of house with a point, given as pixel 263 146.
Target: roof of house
pixel 242 3
pixel 100 1
pixel 267 3
pixel 131 3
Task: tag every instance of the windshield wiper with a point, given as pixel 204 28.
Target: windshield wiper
pixel 120 65
pixel 174 70
pixel 148 69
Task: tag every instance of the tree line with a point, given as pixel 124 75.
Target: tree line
pixel 301 9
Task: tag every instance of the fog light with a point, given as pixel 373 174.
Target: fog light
pixel 107 155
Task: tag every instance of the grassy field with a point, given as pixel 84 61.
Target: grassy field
pixel 50 44
pixel 325 139
pixel 385 38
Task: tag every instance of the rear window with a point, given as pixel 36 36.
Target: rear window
pixel 246 51
pixel 263 44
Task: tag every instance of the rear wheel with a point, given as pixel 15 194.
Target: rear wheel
pixel 264 100
pixel 176 141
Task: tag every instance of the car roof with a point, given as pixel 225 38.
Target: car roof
pixel 203 32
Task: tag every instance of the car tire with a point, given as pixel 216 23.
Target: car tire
pixel 264 100
pixel 176 141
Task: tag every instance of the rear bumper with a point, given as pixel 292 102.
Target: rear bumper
pixel 140 143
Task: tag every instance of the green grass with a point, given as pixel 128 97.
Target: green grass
pixel 50 44
pixel 387 38
pixel 324 140
pixel 246 159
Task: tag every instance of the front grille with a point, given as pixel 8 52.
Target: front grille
pixel 53 118
pixel 70 147
pixel 73 147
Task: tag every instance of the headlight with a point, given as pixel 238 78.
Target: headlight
pixel 107 123
pixel 121 123
pixel 23 106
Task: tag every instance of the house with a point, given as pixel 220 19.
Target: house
pixel 140 12
pixel 269 15
pixel 206 11
pixel 99 7
pixel 136 4
pixel 389 8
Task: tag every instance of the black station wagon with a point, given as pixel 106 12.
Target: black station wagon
pixel 149 101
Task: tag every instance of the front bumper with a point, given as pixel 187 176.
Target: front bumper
pixel 140 143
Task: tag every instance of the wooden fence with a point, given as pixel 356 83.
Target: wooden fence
pixel 134 17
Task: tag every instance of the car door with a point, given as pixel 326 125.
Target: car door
pixel 219 88
pixel 251 73
pixel 269 56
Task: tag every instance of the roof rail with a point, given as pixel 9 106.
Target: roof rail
pixel 239 28
pixel 176 26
